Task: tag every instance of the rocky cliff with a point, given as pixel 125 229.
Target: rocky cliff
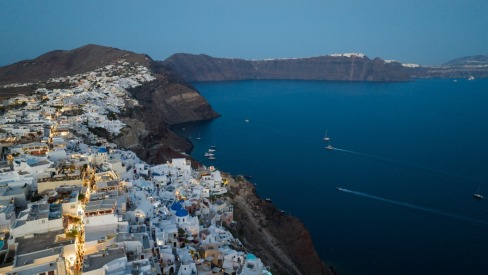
pixel 338 67
pixel 164 102
pixel 282 241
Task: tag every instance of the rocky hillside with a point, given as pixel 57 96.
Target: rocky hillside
pixel 63 63
pixel 337 67
pixel 162 102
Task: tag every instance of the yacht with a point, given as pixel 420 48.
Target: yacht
pixel 211 150
pixel 209 155
pixel 326 138
pixel 329 147
pixel 477 194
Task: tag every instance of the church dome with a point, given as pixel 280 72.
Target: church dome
pixel 181 213
pixel 176 206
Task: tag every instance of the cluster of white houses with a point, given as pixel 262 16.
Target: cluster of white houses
pixel 72 203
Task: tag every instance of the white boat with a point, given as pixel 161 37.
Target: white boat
pixel 246 120
pixel 329 147
pixel 211 158
pixel 209 155
pixel 477 194
pixel 326 138
pixel 211 150
pixel 471 77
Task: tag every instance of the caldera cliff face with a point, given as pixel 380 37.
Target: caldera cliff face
pixel 337 68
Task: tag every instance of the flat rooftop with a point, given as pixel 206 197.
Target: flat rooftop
pixel 40 242
pixel 98 260
pixel 100 205
pixel 29 258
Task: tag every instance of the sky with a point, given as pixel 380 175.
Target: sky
pixel 426 32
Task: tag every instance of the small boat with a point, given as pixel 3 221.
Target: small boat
pixel 209 155
pixel 246 120
pixel 268 200
pixel 329 147
pixel 477 194
pixel 211 158
pixel 247 176
pixel 471 77
pixel 211 150
pixel 199 137
pixel 326 138
pixel 213 146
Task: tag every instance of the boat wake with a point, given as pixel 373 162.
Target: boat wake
pixel 413 206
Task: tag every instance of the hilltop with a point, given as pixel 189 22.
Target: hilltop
pixel 62 63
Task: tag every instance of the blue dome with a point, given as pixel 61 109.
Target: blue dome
pixel 102 150
pixel 176 206
pixel 181 213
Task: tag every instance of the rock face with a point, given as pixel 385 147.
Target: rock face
pixel 165 102
pixel 281 241
pixel 341 68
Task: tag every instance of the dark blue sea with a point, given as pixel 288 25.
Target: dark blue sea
pixel 408 158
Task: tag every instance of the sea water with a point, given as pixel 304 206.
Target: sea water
pixel 408 158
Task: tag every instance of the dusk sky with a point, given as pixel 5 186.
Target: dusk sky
pixel 428 32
